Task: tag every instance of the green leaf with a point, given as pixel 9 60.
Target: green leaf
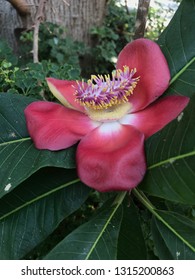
pixel 178 45
pixel 161 248
pixel 131 244
pixel 174 236
pixel 171 160
pixel 34 209
pixel 96 239
pixel 171 152
pixel 18 157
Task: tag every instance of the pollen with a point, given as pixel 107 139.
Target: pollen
pixel 102 92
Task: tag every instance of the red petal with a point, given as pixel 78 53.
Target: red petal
pixel 111 157
pixel 64 91
pixel 147 57
pixel 54 127
pixel 157 115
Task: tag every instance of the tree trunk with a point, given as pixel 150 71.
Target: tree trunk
pixel 77 16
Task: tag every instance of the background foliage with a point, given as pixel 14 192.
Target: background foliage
pixel 44 208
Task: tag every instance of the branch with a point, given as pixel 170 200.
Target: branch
pixel 126 7
pixel 142 13
pixel 21 6
pixel 66 3
pixel 38 19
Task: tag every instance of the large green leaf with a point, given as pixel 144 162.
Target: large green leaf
pixel 94 240
pixel 131 244
pixel 34 209
pixel 171 160
pixel 18 156
pixel 171 152
pixel 178 45
pixel 161 248
pixel 174 236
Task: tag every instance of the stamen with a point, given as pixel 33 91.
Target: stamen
pixel 102 92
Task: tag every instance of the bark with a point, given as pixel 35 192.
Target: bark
pixel 142 13
pixel 38 19
pixel 77 16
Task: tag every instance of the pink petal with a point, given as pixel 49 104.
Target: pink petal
pixel 157 115
pixel 64 91
pixel 54 127
pixel 147 57
pixel 111 157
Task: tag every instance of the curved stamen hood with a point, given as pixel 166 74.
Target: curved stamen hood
pixel 102 92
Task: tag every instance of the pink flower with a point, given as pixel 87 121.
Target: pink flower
pixel 111 116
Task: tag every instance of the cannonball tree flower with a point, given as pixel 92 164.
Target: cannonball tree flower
pixel 110 117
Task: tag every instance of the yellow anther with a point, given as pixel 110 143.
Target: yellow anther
pixel 104 91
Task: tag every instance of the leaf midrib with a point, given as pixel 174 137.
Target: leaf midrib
pixel 15 141
pixel 154 211
pixel 117 203
pixel 171 160
pixel 181 71
pixel 39 197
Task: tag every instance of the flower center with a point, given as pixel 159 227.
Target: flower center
pixel 102 92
